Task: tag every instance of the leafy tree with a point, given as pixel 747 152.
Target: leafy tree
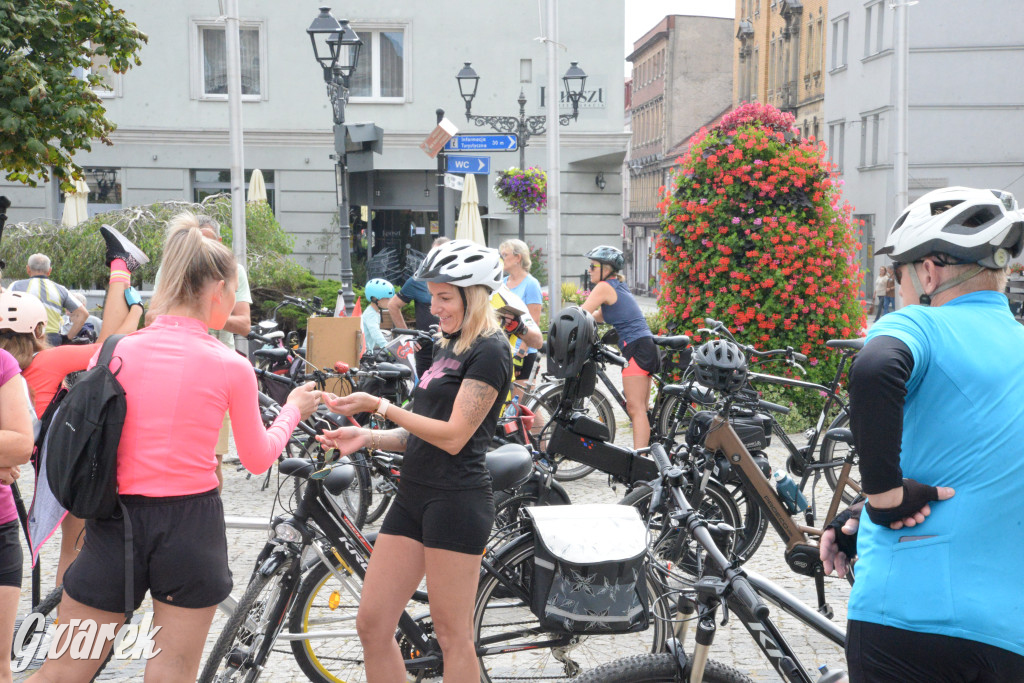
pixel 755 233
pixel 47 113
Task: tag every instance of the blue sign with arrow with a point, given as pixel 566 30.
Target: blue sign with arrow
pixel 483 143
pixel 475 165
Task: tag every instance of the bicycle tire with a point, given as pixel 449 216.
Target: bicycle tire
pixel 381 494
pixel 754 526
pixel 597 406
pixel 668 423
pixel 507 521
pixel 496 609
pixel 247 627
pixel 659 668
pixel 835 452
pixel 716 506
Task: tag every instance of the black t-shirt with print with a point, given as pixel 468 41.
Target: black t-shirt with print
pixel 488 360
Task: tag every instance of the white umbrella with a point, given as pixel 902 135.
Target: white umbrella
pixel 76 204
pixel 470 227
pixel 257 188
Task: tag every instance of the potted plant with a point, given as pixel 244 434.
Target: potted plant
pixel 523 190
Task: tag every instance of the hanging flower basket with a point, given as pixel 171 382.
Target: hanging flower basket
pixel 523 190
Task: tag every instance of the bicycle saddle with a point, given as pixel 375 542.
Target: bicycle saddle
pixel 392 370
pixel 677 342
pixel 271 354
pixel 510 466
pixel 855 344
pixel 840 434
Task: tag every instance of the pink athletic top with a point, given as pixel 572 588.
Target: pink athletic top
pixel 8 370
pixel 178 381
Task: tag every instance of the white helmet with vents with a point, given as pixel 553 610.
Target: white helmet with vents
pixel 20 312
pixel 462 263
pixel 970 225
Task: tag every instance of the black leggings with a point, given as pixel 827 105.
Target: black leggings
pixel 884 654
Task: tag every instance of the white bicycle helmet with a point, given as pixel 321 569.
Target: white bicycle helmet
pixel 462 263
pixel 20 312
pixel 970 225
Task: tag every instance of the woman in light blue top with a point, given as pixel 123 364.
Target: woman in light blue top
pixel 379 292
pixel 515 258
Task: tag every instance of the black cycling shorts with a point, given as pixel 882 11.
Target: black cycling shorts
pixel 10 554
pixel 523 370
pixel 884 654
pixel 645 353
pixel 458 520
pixel 181 554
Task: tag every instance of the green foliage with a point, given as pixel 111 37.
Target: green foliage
pixel 573 295
pixel 537 267
pixel 755 233
pixel 46 112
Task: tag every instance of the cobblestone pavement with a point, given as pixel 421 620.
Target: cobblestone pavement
pixel 245 496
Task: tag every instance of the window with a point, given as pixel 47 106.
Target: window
pixel 840 38
pixel 837 142
pixel 819 52
pixel 874 28
pixel 104 190
pixel 209 60
pixel 383 70
pixel 208 182
pixel 870 128
pixel 110 85
pixel 755 67
pixel 809 52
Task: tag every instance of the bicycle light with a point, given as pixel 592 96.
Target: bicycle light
pixel 287 532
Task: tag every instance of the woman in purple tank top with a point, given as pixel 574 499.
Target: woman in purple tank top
pixel 611 302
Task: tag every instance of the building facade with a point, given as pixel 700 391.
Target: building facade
pixel 780 58
pixel 172 115
pixel 682 77
pixel 963 114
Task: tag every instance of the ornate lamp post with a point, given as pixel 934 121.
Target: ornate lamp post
pixel 524 126
pixel 336 48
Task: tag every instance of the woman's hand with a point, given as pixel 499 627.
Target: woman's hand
pixel 9 475
pixel 305 398
pixel 354 403
pixel 346 439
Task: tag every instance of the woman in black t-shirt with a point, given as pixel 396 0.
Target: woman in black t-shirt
pixel 441 517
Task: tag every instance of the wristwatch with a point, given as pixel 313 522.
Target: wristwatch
pixel 382 407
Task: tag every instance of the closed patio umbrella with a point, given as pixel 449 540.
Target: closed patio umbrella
pixel 470 227
pixel 257 187
pixel 76 204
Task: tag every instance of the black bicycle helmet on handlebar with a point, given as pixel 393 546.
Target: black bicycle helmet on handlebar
pixel 721 365
pixel 571 340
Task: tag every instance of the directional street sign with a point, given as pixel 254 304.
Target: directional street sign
pixel 483 143
pixel 477 165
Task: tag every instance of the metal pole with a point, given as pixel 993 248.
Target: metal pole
pixel 234 64
pixel 369 217
pixel 554 166
pixel 900 163
pixel 522 157
pixel 345 294
pixel 441 157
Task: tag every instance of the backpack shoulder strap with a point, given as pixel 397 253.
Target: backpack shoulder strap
pixel 107 352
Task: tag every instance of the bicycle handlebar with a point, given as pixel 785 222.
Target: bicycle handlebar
pixel 420 335
pixel 611 356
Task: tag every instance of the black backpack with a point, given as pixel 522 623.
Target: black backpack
pixel 83 435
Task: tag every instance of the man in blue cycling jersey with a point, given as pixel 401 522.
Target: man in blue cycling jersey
pixel 937 414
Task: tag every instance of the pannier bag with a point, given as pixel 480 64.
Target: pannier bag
pixel 589 573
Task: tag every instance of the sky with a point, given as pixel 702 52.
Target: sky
pixel 642 15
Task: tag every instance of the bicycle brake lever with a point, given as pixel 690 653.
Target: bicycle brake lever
pixel 799 367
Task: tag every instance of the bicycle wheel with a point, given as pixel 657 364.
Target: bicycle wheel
pixel 507 521
pixel 672 418
pixel 659 668
pixel 754 523
pixel 835 452
pixel 244 638
pixel 596 406
pixel 325 605
pixel 382 489
pixel 674 545
pixel 503 621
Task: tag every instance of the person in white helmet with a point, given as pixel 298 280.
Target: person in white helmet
pixel 937 414
pixel 441 518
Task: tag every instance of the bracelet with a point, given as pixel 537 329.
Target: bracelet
pixel 373 440
pixel 382 408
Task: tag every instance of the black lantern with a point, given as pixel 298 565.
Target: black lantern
pixel 348 46
pixel 321 32
pixel 574 80
pixel 468 81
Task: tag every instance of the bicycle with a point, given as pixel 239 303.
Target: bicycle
pixel 723 585
pixel 305 590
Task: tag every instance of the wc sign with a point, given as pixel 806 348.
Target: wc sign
pixel 474 165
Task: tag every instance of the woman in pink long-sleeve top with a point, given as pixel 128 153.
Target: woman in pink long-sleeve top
pixel 178 381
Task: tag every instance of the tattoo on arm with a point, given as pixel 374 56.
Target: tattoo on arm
pixel 394 440
pixel 475 401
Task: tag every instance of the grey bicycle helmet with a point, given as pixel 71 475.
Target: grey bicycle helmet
pixel 970 225
pixel 462 263
pixel 571 338
pixel 610 256
pixel 721 365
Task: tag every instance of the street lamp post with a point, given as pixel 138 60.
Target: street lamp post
pixel 524 127
pixel 336 48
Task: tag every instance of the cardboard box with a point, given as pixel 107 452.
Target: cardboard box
pixel 329 340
